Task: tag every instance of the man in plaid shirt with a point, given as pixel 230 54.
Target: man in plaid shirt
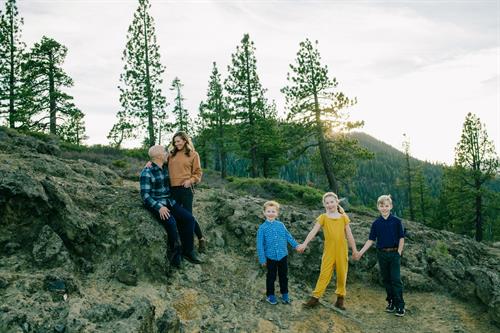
pixel 177 221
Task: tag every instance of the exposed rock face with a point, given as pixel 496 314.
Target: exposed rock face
pixel 435 261
pixel 79 253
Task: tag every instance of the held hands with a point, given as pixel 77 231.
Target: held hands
pixel 356 255
pixel 301 248
pixel 164 213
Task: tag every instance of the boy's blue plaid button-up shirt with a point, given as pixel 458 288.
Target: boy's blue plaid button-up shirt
pixel 272 238
pixel 155 190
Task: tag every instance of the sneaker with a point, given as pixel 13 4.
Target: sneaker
pixel 285 299
pixel 311 303
pixel 390 307
pixel 400 312
pixel 271 299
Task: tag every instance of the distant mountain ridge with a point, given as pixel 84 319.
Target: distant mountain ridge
pixel 386 172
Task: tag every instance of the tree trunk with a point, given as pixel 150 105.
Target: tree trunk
pixel 151 132
pixel 408 178
pixel 422 204
pixel 12 121
pixel 253 144
pixel 217 165
pixel 222 144
pixel 52 96
pixel 265 167
pixel 479 217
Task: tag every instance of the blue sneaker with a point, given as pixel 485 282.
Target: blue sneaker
pixel 285 299
pixel 271 300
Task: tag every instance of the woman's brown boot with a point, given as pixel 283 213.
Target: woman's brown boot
pixel 340 302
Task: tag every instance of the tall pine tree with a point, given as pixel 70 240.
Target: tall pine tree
pixel 217 116
pixel 45 103
pixel 182 120
pixel 246 99
pixel 11 58
pixel 409 175
pixel 477 162
pixel 313 103
pixel 143 103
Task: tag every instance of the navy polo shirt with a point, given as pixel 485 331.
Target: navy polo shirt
pixel 386 232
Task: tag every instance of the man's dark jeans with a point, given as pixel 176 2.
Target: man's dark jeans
pixel 390 263
pixel 281 267
pixel 184 196
pixel 179 225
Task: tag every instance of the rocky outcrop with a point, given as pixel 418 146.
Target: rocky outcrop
pixel 433 261
pixel 79 253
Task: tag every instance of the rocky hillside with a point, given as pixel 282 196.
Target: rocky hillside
pixel 78 253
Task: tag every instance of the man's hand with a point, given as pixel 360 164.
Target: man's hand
pixel 187 183
pixel 356 256
pixel 148 165
pixel 264 264
pixel 164 213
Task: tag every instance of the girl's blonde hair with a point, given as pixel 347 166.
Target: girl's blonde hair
pixel 333 195
pixel 188 147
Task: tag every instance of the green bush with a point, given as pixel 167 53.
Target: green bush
pixel 439 250
pixel 120 164
pixel 278 190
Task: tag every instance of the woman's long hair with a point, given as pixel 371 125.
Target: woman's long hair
pixel 188 147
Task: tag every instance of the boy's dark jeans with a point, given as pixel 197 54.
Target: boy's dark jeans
pixel 390 263
pixel 184 196
pixel 280 266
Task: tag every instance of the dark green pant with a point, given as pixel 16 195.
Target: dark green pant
pixel 390 263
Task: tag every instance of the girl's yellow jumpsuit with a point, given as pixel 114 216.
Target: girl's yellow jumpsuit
pixel 334 254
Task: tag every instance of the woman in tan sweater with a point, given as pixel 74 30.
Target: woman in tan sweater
pixel 185 171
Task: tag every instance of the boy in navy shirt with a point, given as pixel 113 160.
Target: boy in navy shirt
pixel 272 239
pixel 387 230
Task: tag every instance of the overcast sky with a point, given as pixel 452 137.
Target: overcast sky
pixel 416 67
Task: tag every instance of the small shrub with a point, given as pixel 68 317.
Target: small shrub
pixel 439 250
pixel 120 164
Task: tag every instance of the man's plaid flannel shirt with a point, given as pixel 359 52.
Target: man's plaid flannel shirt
pixel 155 190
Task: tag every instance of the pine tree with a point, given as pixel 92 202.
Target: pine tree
pixel 217 116
pixel 73 131
pixel 408 170
pixel 121 130
pixel 422 198
pixel 477 163
pixel 46 106
pixel 313 103
pixel 246 98
pixel 182 121
pixel 143 103
pixel 202 136
pixel 11 58
pixel 270 140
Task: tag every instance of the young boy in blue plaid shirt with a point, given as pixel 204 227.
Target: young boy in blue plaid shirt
pixel 272 239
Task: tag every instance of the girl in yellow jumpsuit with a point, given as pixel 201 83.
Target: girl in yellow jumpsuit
pixel 335 224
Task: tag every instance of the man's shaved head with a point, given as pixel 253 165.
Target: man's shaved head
pixel 156 151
